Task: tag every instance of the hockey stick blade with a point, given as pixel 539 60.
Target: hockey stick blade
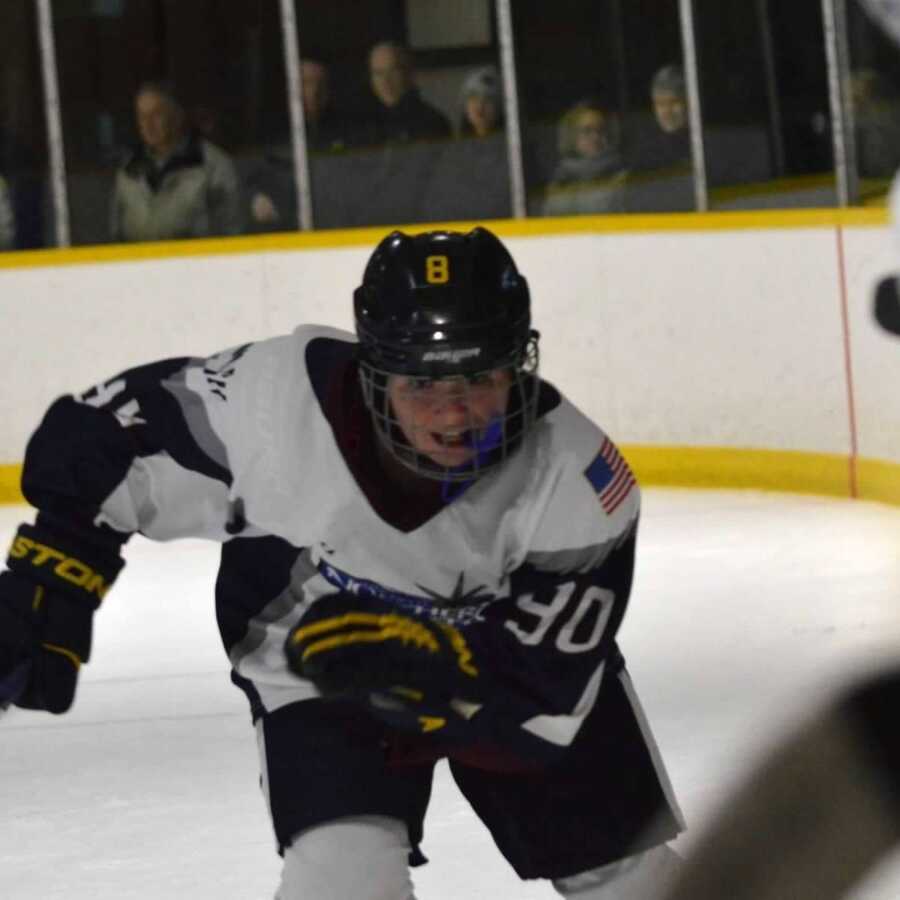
pixel 13 684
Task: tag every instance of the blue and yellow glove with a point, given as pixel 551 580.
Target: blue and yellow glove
pixel 414 673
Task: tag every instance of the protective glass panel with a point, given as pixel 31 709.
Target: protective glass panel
pixel 874 91
pixel 764 94
pixel 591 142
pixel 387 96
pixel 657 128
pixel 167 110
pixel 24 186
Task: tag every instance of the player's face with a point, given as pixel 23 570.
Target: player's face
pixel 444 419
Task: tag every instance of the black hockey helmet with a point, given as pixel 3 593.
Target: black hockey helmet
pixel 446 305
pixel 441 303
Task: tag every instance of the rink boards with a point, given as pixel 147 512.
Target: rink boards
pixel 723 349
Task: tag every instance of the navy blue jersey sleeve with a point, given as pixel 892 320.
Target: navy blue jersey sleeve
pixel 96 458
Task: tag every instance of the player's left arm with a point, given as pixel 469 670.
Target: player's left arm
pixel 548 646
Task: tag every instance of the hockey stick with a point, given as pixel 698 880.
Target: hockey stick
pixel 13 684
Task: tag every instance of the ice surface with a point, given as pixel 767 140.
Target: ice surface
pixel 748 609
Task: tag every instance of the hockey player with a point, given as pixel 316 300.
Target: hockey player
pixel 427 553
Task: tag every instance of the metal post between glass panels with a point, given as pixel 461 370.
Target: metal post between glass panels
pixel 511 102
pixel 53 119
pixel 771 77
pixel 837 51
pixel 295 108
pixel 695 114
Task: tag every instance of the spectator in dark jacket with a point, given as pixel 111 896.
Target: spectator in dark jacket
pixel 270 180
pixel 399 114
pixel 658 148
pixel 670 145
pixel 25 175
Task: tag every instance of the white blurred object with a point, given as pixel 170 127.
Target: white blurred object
pixel 886 13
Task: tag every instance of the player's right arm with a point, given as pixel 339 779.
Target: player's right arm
pixel 139 453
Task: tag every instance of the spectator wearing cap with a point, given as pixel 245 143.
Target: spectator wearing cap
pixel 669 95
pixel 481 104
pixel 174 184
pixel 658 147
pixel 472 177
pixel 591 175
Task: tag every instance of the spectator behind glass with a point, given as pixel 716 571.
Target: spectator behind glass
pixel 385 180
pixel 7 218
pixel 590 176
pixel 876 118
pixel 270 182
pixel 668 93
pixel 23 173
pixel 472 178
pixel 398 114
pixel 481 104
pixel 658 148
pixel 174 184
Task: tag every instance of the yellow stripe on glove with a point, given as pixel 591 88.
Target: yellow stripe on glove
pixel 383 627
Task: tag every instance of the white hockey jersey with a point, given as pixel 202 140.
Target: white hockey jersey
pixel 533 561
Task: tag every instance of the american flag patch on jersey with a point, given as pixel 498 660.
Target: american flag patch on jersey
pixel 610 477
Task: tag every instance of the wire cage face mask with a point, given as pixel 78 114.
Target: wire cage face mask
pixel 454 428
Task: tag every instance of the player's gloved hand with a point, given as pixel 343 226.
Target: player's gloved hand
pixel 47 603
pixel 412 671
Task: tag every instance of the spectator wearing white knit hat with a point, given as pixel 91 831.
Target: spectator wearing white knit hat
pixel 471 180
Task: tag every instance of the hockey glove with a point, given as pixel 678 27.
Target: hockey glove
pixel 47 603
pixel 409 669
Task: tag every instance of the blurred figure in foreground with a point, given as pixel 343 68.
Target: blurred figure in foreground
pixel 876 120
pixel 816 815
pixel 173 184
